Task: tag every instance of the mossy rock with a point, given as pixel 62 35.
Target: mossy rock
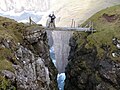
pixel 5 84
pixel 107 24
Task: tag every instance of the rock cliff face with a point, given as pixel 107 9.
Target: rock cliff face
pixel 30 66
pixel 85 71
pixel 38 72
pixel 93 65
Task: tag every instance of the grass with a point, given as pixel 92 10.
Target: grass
pixel 5 84
pixel 12 31
pixel 105 30
pixel 4 63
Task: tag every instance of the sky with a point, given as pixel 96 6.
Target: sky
pixel 20 10
pixel 65 10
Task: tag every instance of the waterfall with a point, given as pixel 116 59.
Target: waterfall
pixel 59 43
pixel 61 48
pixel 60 80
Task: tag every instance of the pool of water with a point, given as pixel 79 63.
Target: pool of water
pixel 60 77
pixel 60 80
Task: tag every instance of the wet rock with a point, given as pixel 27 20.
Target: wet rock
pixel 73 45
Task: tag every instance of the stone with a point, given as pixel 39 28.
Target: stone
pixel 8 74
pixel 85 71
pixel 37 69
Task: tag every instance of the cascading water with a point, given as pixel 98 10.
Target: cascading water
pixel 60 77
pixel 61 48
pixel 59 42
pixel 52 55
pixel 20 10
pixel 60 80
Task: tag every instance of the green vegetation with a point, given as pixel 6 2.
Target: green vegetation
pixel 4 63
pixel 12 31
pixel 5 84
pixel 107 24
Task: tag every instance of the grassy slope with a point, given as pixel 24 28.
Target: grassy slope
pixel 105 30
pixel 11 31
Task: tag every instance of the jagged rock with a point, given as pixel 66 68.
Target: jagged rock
pixel 91 65
pixel 33 67
pixel 35 70
pixel 25 62
pixel 116 42
pixel 73 45
pixel 85 71
pixel 5 43
pixel 8 74
pixel 108 69
pixel 33 74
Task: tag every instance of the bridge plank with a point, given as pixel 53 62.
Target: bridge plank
pixel 70 29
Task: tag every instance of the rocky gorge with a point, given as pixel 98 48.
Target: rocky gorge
pixel 94 60
pixel 25 58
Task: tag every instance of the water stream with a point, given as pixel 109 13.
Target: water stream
pixel 60 77
pixel 59 52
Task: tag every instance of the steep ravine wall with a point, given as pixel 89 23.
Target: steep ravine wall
pixel 94 59
pixel 86 71
pixel 39 69
pixel 25 62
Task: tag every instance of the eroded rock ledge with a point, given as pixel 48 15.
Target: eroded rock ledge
pixel 36 71
pixel 30 66
pixel 86 71
pixel 94 60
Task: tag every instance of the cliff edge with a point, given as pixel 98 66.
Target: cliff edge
pixel 94 60
pixel 25 62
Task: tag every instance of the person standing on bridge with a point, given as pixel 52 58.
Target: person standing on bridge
pixel 52 20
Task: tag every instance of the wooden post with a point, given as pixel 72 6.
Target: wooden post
pixel 92 27
pixel 72 23
pixel 30 21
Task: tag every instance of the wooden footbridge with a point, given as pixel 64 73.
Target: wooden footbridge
pixel 87 28
pixel 70 29
pixel 36 33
